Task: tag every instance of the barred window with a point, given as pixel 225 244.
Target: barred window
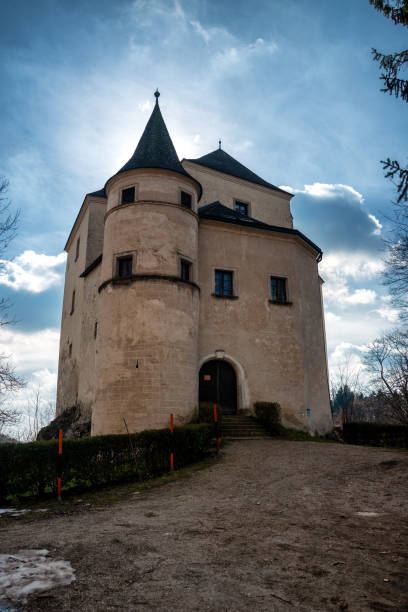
pixel 278 290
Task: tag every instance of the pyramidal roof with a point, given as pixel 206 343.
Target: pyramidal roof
pixel 221 161
pixel 155 148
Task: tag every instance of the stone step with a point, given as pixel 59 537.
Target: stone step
pixel 241 426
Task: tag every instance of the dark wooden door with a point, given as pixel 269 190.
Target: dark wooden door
pixel 218 385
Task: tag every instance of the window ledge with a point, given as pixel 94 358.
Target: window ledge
pixel 225 297
pixel 280 303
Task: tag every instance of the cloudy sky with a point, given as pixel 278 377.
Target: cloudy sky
pixel 289 87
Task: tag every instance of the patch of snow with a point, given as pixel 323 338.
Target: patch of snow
pixel 13 511
pixel 28 572
pixel 367 513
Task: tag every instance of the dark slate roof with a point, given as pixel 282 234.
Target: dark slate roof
pixel 155 148
pixel 218 212
pixel 98 194
pixel 221 161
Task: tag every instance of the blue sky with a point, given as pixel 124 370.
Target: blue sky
pixel 289 87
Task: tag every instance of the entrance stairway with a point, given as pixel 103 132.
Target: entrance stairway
pixel 241 426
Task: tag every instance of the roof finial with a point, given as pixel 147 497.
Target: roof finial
pixel 219 144
pixel 157 94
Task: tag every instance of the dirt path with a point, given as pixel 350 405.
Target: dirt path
pixel 272 526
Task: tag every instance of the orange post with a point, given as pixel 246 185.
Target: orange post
pixel 217 439
pixel 172 441
pixel 59 465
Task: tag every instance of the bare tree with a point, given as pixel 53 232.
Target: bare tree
pixel 37 414
pixel 387 360
pixel 9 380
pixel 346 386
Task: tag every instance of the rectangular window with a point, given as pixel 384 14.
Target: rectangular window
pixel 185 267
pixel 128 195
pixel 241 208
pixel 73 303
pixel 185 199
pixel 124 267
pixel 223 283
pixel 70 350
pixel 77 249
pixel 278 290
pixel 96 329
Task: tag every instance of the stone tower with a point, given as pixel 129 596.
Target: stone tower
pixel 148 307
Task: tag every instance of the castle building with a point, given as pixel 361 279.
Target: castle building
pixel 186 283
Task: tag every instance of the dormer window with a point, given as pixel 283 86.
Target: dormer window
pixel 186 199
pixel 241 208
pixel 128 195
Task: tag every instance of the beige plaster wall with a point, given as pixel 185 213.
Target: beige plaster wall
pixel 152 185
pixel 147 345
pixel 278 351
pixel 265 204
pixel 76 372
pixel 71 324
pixel 146 358
pixel 86 375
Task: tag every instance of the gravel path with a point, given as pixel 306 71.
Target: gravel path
pixel 273 525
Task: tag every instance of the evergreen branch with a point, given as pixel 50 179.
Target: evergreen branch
pixel 393 170
pixel 397 12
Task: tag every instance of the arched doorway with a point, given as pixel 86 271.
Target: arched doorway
pixel 218 385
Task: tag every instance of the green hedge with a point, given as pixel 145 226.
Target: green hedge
pixel 268 414
pixel 376 434
pixel 30 469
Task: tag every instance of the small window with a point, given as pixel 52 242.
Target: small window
pixel 96 329
pixel 124 267
pixel 185 199
pixel 241 208
pixel 73 302
pixel 223 283
pixel 185 268
pixel 278 290
pixel 128 195
pixel 70 349
pixel 77 249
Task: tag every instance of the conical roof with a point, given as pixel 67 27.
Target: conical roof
pixel 155 148
pixel 221 161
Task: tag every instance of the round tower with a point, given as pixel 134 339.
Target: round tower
pixel 147 341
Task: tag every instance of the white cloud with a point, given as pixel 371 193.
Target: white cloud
pixel 325 190
pixel 355 265
pixel 238 57
pixel 30 350
pixel 390 314
pixel 206 35
pixel 331 317
pixel 33 272
pixel 378 225
pixel 361 296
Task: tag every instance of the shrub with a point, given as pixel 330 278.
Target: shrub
pixel 31 469
pixel 268 414
pixel 376 434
